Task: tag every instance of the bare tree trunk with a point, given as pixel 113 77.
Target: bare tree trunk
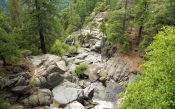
pixel 139 35
pixel 42 41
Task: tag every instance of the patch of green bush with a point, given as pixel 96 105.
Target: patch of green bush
pixel 72 49
pixel 60 48
pixel 80 69
pixel 57 48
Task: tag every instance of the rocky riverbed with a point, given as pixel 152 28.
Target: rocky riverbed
pixel 53 86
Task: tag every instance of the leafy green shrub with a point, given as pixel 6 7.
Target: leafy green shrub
pixel 57 48
pixel 65 47
pixel 4 104
pixel 80 69
pixel 72 49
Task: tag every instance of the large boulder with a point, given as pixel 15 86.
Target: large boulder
pixel 103 75
pixel 51 69
pixel 67 92
pixel 88 93
pixel 54 79
pixel 41 97
pixel 62 66
pixel 92 72
pixel 37 61
pixel 118 68
pixel 8 82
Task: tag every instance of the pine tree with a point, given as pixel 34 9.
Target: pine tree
pixel 9 50
pixel 40 22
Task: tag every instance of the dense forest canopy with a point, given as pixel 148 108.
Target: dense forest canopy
pixel 41 26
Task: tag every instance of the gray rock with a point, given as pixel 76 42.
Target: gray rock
pixel 72 67
pixel 70 78
pixel 51 69
pixel 54 79
pixel 78 61
pixel 99 90
pixel 91 58
pixel 21 82
pixel 88 93
pixel 82 83
pixel 26 75
pixel 26 102
pixel 92 72
pixel 48 63
pixel 37 82
pixel 103 75
pixel 37 61
pixel 33 100
pixel 74 105
pixel 62 66
pixel 22 89
pixel 43 81
pixel 112 90
pixel 82 56
pixel 44 96
pixel 67 92
pixel 117 67
pixel 41 70
pixel 8 83
pixel 24 66
pixel 40 97
pixel 98 45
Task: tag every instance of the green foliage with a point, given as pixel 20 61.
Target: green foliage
pixel 145 43
pixel 102 27
pixel 40 23
pixel 57 48
pixel 114 30
pixel 73 17
pixel 9 48
pixel 80 69
pixel 154 90
pixel 60 48
pixel 4 104
pixel 125 48
pixel 72 49
pixel 100 6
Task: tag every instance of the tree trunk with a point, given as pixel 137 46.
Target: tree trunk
pixel 139 35
pixel 3 60
pixel 42 41
pixel 41 35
